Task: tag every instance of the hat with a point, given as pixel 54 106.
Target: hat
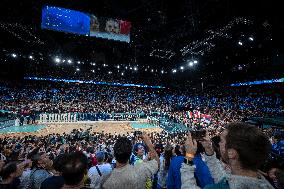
pixel 138 146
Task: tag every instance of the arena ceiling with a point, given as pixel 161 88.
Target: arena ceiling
pixel 223 35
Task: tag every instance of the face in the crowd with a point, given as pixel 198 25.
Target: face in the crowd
pixel 45 161
pixel 222 144
pixel 271 173
pixel 140 151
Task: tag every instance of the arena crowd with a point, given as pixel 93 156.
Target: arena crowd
pixel 232 154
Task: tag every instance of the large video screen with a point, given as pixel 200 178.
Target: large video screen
pixel 60 19
pixel 71 21
pixel 108 28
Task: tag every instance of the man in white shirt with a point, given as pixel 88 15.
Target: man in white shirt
pixel 95 173
pixel 40 118
pixel 75 117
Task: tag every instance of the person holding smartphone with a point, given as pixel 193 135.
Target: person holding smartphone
pixel 243 149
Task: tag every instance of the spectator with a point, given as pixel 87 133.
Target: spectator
pixel 138 154
pixel 243 147
pixel 278 143
pixel 276 176
pixel 74 169
pixel 96 172
pixel 173 180
pixel 56 181
pixel 201 172
pixel 41 169
pixel 165 161
pixel 126 175
pixel 10 174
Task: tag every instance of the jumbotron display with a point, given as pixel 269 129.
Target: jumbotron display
pixel 71 21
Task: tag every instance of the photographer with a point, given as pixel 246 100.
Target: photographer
pixel 243 149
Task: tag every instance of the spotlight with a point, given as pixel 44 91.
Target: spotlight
pixel 109 72
pixel 240 43
pixel 130 68
pixel 79 62
pixel 63 60
pixel 195 61
pixel 57 60
pixel 251 38
pixel 31 57
pixel 174 70
pixel 69 61
pixel 152 70
pixel 14 55
pixel 181 67
pixel 93 71
pixel 122 73
pixel 118 67
pixel 190 63
pixel 78 69
pixel 135 68
pixel 162 71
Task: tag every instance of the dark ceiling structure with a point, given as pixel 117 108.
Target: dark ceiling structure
pixel 225 36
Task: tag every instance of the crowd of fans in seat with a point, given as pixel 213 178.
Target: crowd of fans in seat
pixel 231 155
pixel 157 160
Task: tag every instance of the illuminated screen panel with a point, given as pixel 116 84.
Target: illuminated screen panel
pixel 71 21
pixel 109 28
pixel 60 19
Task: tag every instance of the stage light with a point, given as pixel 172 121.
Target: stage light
pixel 190 63
pixel 152 70
pixel 135 68
pixel 63 60
pixel 122 73
pixel 195 61
pixel 130 68
pixel 104 65
pixel 14 55
pixel 240 43
pixel 251 38
pixel 30 57
pixel 162 71
pixel 69 61
pixel 57 60
pixel 93 71
pixel 78 69
pixel 109 72
pixel 181 67
pixel 174 70
pixel 79 62
pixel 118 67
